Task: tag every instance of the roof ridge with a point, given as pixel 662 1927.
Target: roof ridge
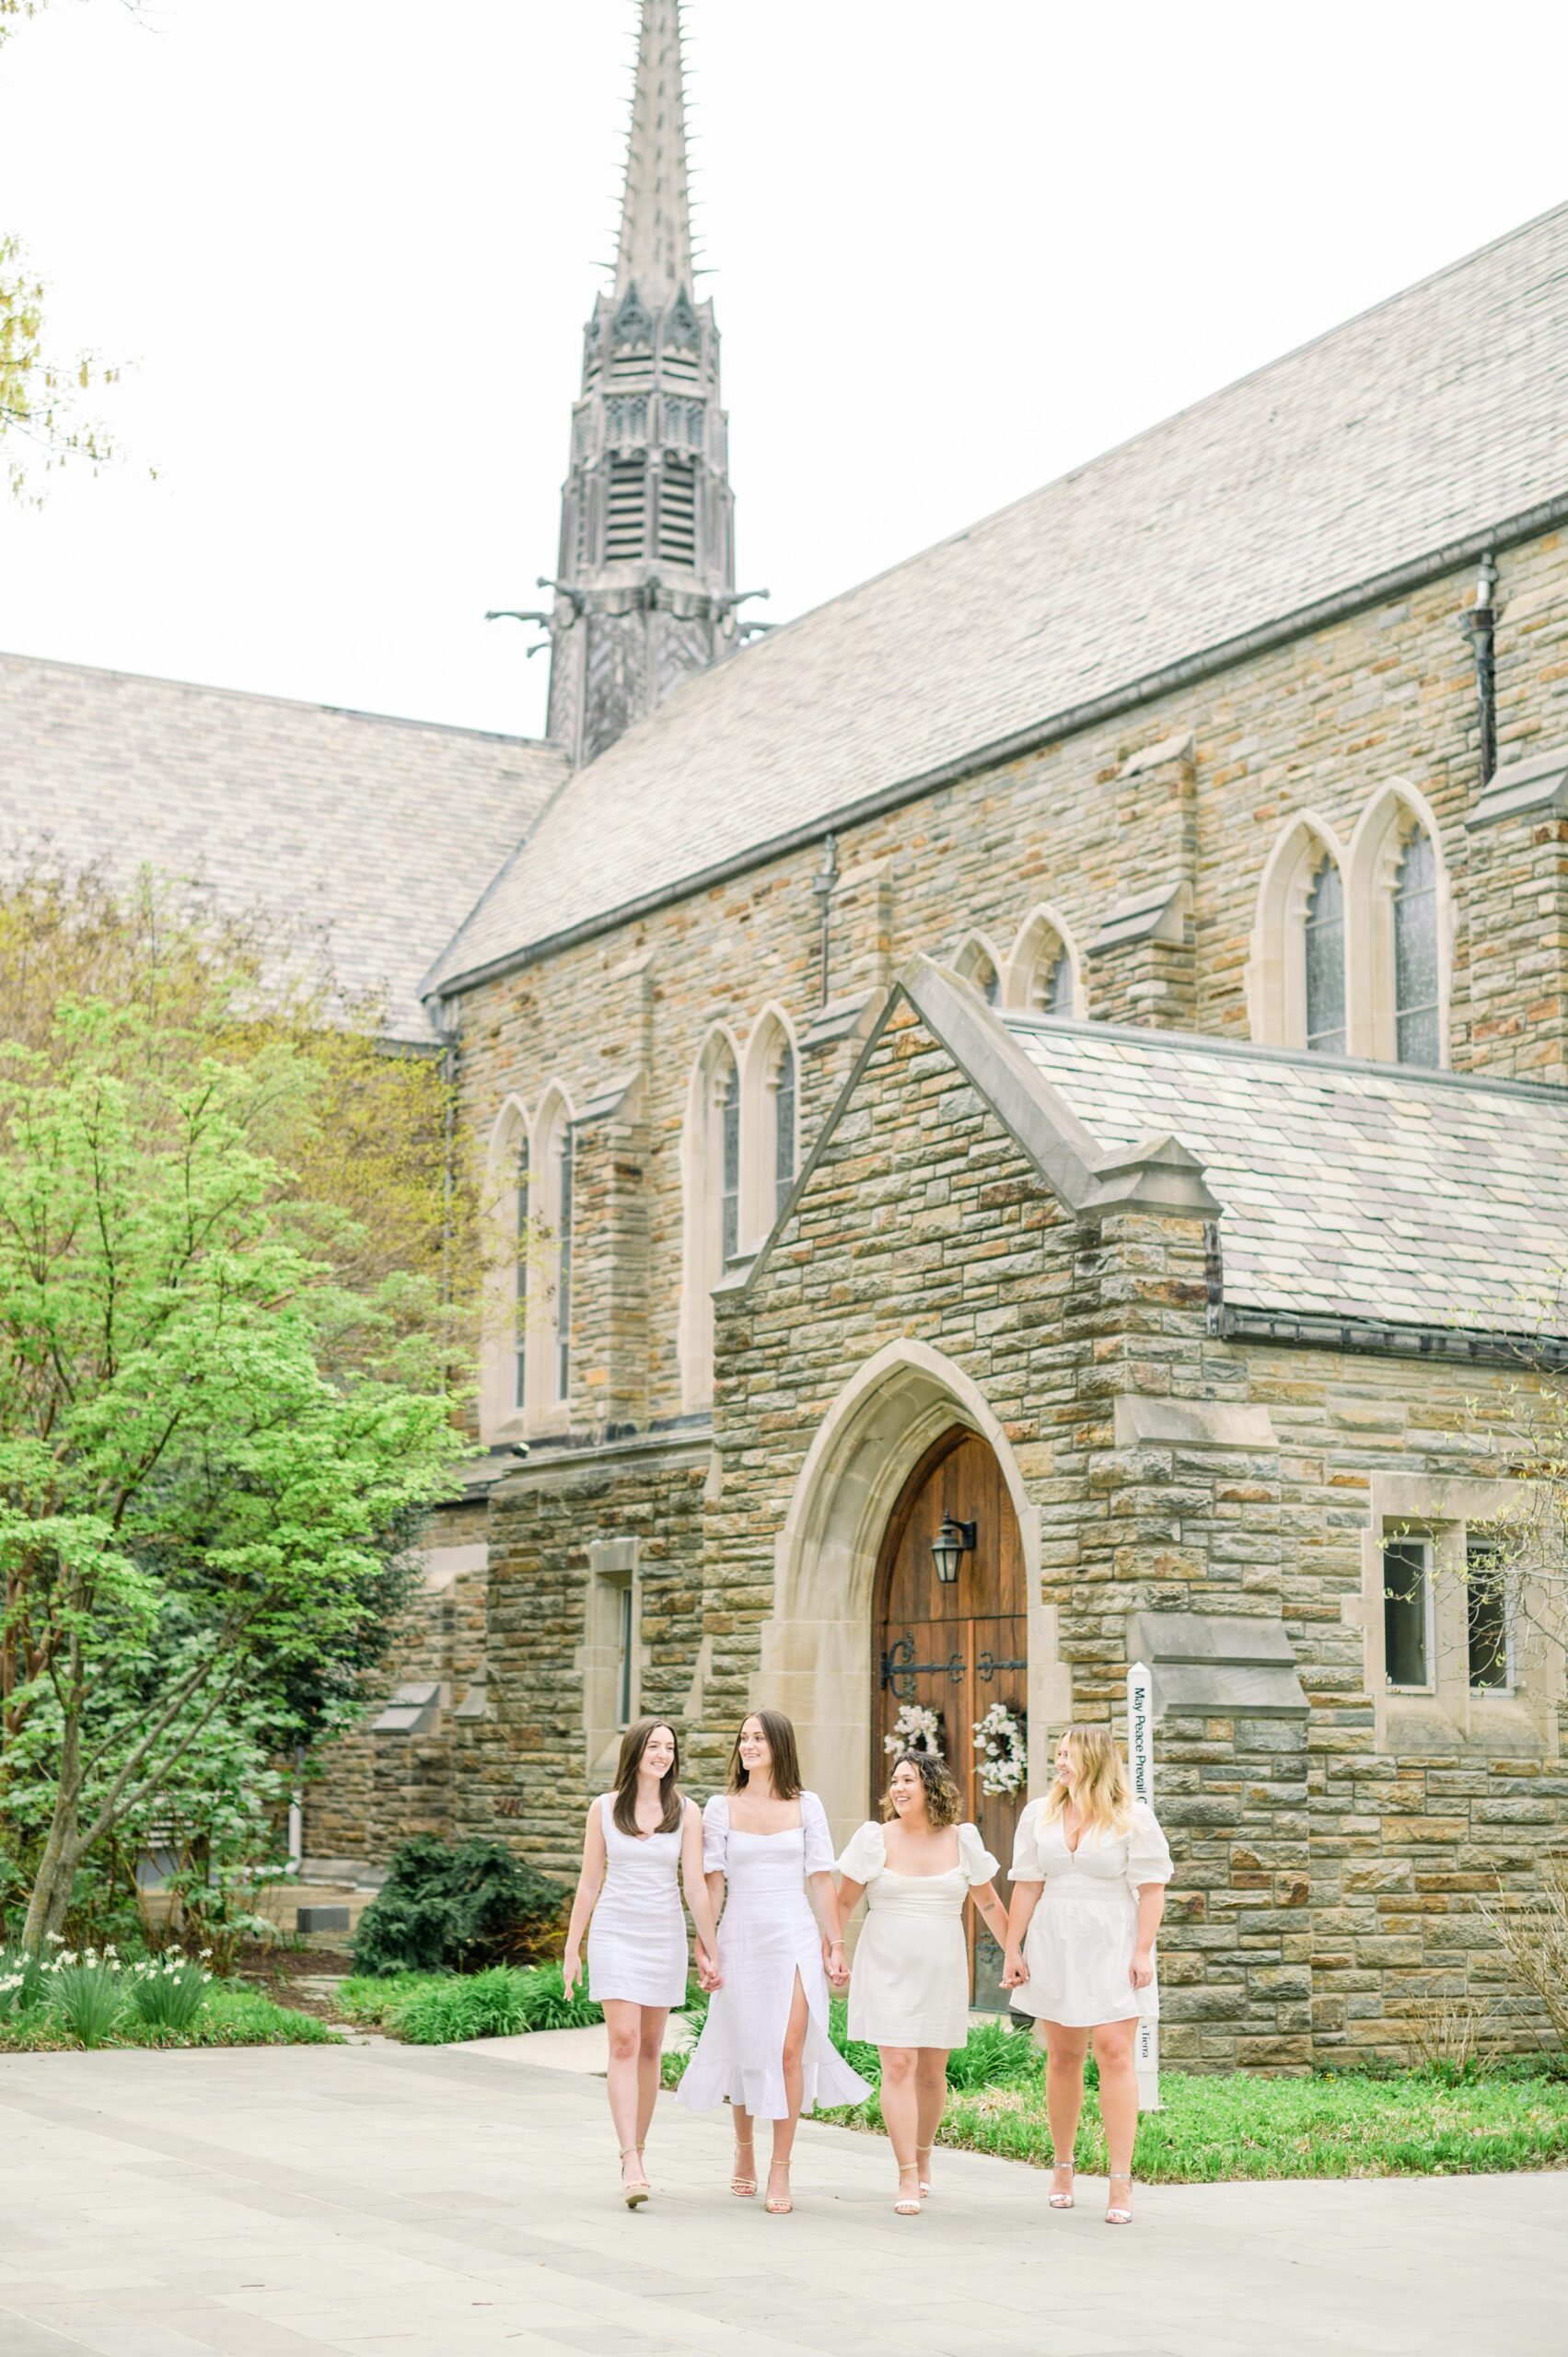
pixel 1304 1059
pixel 262 695
pixel 781 631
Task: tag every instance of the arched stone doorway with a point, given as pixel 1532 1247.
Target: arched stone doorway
pixel 954 1649
pixel 819 1659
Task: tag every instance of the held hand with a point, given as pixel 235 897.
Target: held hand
pixel 571 1967
pixel 838 1970
pixel 709 1974
pixel 1015 1973
pixel 1143 1968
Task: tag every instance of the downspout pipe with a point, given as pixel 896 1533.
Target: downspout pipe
pixel 1480 626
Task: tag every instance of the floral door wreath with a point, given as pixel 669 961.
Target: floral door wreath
pixel 1004 1753
pixel 916 1729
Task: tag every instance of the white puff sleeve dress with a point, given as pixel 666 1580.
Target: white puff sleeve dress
pixel 1078 1948
pixel 768 1939
pixel 910 1981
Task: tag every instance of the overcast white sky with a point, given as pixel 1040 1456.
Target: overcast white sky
pixel 350 245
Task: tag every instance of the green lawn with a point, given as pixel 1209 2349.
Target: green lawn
pixel 232 2015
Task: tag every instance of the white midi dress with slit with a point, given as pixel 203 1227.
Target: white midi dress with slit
pixel 1078 1948
pixel 767 1937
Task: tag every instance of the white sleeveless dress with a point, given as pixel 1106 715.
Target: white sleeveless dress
pixel 1078 1948
pixel 910 1981
pixel 637 1931
pixel 768 1933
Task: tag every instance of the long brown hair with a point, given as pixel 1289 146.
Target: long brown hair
pixel 1100 1792
pixel 943 1799
pixel 780 1733
pixel 633 1742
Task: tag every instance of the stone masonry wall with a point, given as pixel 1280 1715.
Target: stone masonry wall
pixel 1323 723
pixel 1325 1882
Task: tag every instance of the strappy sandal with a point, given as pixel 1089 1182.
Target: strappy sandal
pixel 1117 2214
pixel 636 2189
pixel 1061 2197
pixel 779 2205
pixel 908 2204
pixel 741 2185
pixel 922 2169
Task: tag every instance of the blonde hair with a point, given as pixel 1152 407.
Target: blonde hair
pixel 1097 1785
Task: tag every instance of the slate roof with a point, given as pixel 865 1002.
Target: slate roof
pixel 1437 415
pixel 375 835
pixel 1349 1190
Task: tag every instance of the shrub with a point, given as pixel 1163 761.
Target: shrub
pixel 458 1910
pixel 23 1975
pixel 448 2010
pixel 168 1992
pixel 996 2055
pixel 1532 1933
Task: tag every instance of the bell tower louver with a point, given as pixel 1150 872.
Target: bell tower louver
pixel 645 579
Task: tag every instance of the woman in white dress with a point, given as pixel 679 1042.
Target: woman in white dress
pixel 638 1841
pixel 765 2045
pixel 909 1993
pixel 1089 1865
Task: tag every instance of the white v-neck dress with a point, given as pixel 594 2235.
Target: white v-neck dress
pixel 1078 1948
pixel 637 1931
pixel 910 1981
pixel 767 1934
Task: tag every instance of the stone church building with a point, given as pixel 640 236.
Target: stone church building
pixel 1051 1068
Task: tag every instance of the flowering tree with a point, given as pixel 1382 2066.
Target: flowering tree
pixel 222 1397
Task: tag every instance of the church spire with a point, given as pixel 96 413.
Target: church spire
pixel 655 252
pixel 644 587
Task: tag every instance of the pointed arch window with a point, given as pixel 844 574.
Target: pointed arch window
pixel 1323 938
pixel 783 1127
pixel 729 1101
pixel 977 964
pixel 563 1191
pixel 1416 1017
pixel 520 1283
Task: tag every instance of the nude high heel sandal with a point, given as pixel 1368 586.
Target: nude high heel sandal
pixel 743 2183
pixel 908 2204
pixel 922 2169
pixel 1118 2214
pixel 779 2205
pixel 638 2189
pixel 1061 2197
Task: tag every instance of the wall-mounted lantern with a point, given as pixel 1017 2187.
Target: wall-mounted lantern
pixel 953 1540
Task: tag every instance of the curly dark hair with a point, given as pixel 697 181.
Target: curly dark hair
pixel 943 1799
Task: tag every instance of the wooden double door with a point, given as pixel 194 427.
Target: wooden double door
pixel 955 1649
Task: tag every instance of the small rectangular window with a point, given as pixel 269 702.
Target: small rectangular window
pixel 1486 1616
pixel 623 1663
pixel 1407 1602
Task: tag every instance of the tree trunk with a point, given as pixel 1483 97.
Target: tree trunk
pixel 62 1852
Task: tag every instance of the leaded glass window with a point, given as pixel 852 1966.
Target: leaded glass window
pixel 1486 1615
pixel 1324 936
pixel 783 1127
pixel 519 1351
pixel 564 1263
pixel 1057 998
pixel 1415 954
pixel 729 1149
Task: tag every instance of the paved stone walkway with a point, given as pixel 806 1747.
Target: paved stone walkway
pixel 395 2203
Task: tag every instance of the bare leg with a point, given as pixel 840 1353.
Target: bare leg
pixel 744 2180
pixel 624 2022
pixel 650 2057
pixel 900 2113
pixel 794 2089
pixel 1118 2102
pixel 1065 2049
pixel 930 2097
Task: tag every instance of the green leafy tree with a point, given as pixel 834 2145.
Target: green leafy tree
pixel 224 1392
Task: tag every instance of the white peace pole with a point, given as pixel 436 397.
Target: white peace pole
pixel 1141 1763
